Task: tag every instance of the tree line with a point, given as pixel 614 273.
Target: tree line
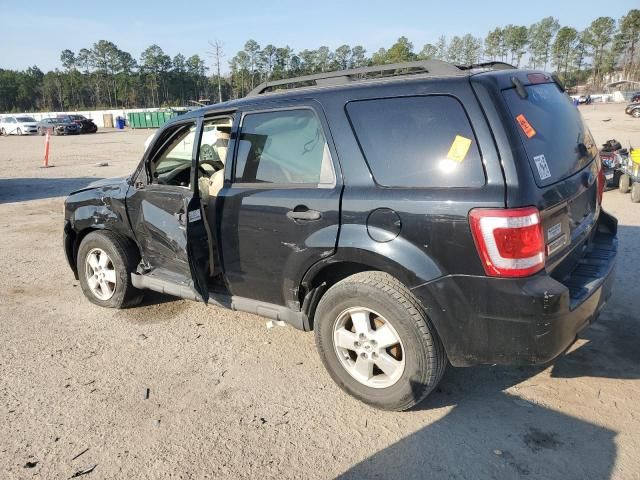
pixel 104 76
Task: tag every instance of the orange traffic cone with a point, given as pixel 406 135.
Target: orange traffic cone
pixel 45 163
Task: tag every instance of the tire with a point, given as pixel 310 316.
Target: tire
pixel 18 132
pixel 124 258
pixel 624 184
pixel 389 301
pixel 635 192
pixel 636 113
pixel 3 132
pixel 615 181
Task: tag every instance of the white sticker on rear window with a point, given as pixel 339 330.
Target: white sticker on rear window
pixel 543 168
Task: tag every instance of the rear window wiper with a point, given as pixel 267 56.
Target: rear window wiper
pixel 522 92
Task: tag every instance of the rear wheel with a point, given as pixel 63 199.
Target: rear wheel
pixel 636 113
pixel 625 182
pixel 635 192
pixel 105 263
pixel 377 343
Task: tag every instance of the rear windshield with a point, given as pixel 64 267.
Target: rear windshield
pixel 25 119
pixel 557 142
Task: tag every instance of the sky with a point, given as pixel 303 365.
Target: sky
pixel 33 33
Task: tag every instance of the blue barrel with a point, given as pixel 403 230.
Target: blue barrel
pixel 120 123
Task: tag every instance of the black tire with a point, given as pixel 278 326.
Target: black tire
pixel 424 355
pixel 635 192
pixel 636 113
pixel 615 181
pixel 624 184
pixel 124 256
pixel 3 132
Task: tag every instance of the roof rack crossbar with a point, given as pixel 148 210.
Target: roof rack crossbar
pixel 341 77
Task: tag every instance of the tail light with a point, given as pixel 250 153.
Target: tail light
pixel 510 241
pixel 602 180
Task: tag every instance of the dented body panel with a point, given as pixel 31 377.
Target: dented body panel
pixel 99 206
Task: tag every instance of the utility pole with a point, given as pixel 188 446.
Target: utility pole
pixel 217 54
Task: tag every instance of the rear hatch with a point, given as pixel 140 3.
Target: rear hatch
pixel 564 166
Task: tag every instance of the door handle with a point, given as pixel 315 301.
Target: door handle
pixel 301 212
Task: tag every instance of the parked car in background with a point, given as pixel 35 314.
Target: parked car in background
pixel 633 109
pixel 86 124
pixel 57 126
pixel 18 125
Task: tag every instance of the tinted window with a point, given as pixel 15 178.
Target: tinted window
pixel 554 136
pixel 417 142
pixel 284 147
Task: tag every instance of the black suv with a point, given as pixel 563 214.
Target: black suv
pixel 412 215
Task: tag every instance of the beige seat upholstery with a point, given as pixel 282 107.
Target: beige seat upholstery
pixel 217 179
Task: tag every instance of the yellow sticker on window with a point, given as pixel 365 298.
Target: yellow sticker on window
pixel 459 148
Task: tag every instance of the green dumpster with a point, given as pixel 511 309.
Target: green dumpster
pixel 150 119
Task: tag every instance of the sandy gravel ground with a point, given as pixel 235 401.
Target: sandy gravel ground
pixel 229 398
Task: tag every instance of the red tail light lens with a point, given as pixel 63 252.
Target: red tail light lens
pixel 510 241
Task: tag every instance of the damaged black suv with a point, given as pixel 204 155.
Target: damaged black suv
pixel 411 215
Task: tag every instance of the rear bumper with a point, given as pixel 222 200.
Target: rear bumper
pixel 485 320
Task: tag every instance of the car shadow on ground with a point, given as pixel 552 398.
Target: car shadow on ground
pixel 25 189
pixel 493 434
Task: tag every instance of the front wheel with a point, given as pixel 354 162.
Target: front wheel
pixel 377 343
pixel 636 113
pixel 105 263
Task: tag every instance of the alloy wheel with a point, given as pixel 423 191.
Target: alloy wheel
pixel 368 347
pixel 100 273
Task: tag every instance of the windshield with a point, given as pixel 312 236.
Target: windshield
pixel 25 119
pixel 553 134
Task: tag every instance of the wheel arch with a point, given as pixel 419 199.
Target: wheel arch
pixel 349 261
pixel 74 239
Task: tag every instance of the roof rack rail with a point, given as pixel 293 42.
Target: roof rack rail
pixel 342 77
pixel 488 65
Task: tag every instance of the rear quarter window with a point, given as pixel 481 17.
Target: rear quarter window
pixel 417 142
